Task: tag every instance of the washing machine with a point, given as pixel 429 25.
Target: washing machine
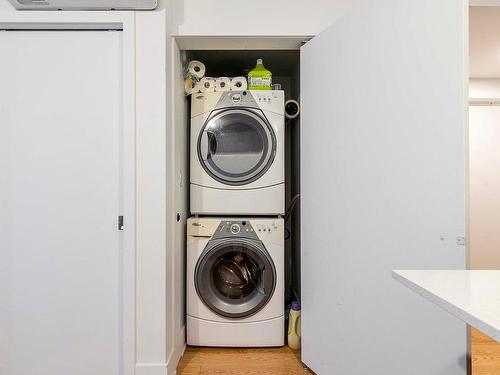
pixel 237 153
pixel 235 282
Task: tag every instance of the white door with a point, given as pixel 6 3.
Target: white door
pixel 60 198
pixel 484 217
pixel 383 114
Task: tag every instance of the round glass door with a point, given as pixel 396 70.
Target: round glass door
pixel 236 146
pixel 235 277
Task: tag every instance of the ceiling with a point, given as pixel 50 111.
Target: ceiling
pixel 484 42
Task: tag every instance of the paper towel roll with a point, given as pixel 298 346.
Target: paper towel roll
pixel 196 69
pixel 191 86
pixel 238 84
pixel 222 84
pixel 207 84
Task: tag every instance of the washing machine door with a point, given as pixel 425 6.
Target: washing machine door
pixel 237 145
pixel 235 278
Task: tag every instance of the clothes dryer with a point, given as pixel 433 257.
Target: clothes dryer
pixel 237 153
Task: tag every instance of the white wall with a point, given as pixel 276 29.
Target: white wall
pixel 484 179
pixel 5 6
pixel 151 90
pixel 177 197
pixel 484 88
pixel 257 17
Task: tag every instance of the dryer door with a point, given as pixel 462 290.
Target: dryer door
pixel 235 277
pixel 236 146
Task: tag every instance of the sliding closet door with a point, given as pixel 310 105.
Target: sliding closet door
pixel 60 198
pixel 383 114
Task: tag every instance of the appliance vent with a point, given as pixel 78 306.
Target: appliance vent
pixel 32 2
pixel 84 4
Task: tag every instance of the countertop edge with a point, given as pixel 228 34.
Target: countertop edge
pixel 449 307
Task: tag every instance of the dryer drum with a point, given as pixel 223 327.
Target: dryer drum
pixel 236 146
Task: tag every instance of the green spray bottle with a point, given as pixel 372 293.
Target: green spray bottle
pixel 260 78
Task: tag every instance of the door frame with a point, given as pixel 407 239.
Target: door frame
pixel 125 22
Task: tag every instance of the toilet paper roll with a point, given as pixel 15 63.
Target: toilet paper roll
pixel 222 84
pixel 238 84
pixel 191 86
pixel 196 69
pixel 207 84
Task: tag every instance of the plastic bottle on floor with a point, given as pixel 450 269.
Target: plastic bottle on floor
pixel 294 326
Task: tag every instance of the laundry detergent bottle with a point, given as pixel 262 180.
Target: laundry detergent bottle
pixel 294 326
pixel 260 78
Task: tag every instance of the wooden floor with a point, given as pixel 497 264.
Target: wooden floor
pixel 283 361
pixel 260 361
pixel 485 355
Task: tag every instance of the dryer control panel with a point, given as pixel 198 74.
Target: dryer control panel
pixel 265 100
pixel 265 97
pixel 236 98
pixel 266 228
pixel 270 100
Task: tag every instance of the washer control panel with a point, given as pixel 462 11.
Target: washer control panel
pixel 243 229
pixel 235 228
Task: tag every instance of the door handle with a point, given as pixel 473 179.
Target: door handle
pixel 204 146
pixel 208 145
pixel 212 143
pixel 263 281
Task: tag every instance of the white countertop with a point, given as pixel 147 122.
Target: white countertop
pixel 472 296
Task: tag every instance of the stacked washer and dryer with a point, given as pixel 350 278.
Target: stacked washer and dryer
pixel 235 244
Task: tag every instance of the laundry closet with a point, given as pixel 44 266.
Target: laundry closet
pixel 243 251
pixel 369 175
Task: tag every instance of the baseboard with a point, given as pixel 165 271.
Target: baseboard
pixel 151 369
pixel 170 367
pixel 177 353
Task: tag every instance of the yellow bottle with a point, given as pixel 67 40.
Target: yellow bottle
pixel 260 78
pixel 294 326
